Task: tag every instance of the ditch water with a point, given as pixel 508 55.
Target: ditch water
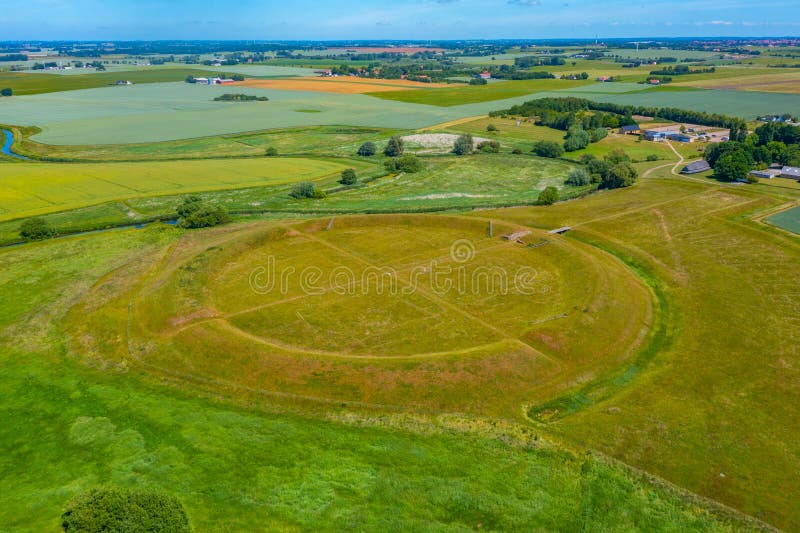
pixel 7 142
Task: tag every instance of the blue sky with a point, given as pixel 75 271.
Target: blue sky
pixel 398 19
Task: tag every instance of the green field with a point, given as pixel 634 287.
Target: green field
pixel 242 470
pixel 30 83
pixel 38 188
pixel 788 220
pixel 472 94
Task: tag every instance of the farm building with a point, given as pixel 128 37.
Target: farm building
pixel 654 82
pixel 485 75
pixel 680 137
pixel 764 174
pixel 655 136
pixel 791 172
pixel 603 78
pixel 696 167
pixel 631 129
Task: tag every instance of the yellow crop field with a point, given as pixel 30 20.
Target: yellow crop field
pixel 37 188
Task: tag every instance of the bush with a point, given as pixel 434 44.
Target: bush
pixel 549 196
pixel 463 145
pixel 548 149
pixel 576 139
pixel 477 81
pixel 598 134
pixel 36 229
pixel 193 213
pixel 617 155
pixel 516 151
pixel 491 127
pixel 306 189
pixel 578 177
pixel 394 148
pixel 407 163
pixel 653 157
pixel 115 509
pixel 6 92
pixel 368 149
pixel 489 147
pixel 618 176
pixel 348 177
pixel 271 151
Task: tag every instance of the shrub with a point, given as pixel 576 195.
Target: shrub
pixel 548 196
pixel 6 92
pixel 653 157
pixel 348 177
pixel 578 177
pixel 306 189
pixel 548 149
pixel 598 134
pixel 407 163
pixel 394 147
pixel 489 147
pixel 36 229
pixel 271 151
pixel 368 149
pixel 576 139
pixel 516 151
pixel 617 155
pixel 115 509
pixel 491 127
pixel 194 213
pixel 463 145
pixel 477 81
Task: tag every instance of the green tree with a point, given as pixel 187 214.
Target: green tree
pixel 463 145
pixel 306 189
pixel 348 177
pixel 194 213
pixel 598 134
pixel 618 176
pixel 489 147
pixel 271 151
pixel 491 127
pixel 548 149
pixel 408 163
pixel 548 196
pixel 732 166
pixel 36 229
pixel 113 509
pixel 576 139
pixel 368 149
pixel 617 155
pixel 394 148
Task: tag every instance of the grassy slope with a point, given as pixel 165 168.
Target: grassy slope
pixel 715 411
pixel 69 427
pixel 25 83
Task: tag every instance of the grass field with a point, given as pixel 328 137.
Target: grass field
pixel 243 470
pixel 778 82
pixel 28 83
pixel 340 85
pixel 316 140
pixel 471 94
pixel 38 188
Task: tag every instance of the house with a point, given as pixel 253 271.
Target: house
pixel 485 75
pixel 791 172
pixel 654 82
pixel 696 167
pixel 630 129
pixel 603 78
pixel 324 73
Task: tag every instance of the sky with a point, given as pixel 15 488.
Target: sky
pixel 396 19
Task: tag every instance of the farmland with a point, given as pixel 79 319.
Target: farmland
pixel 38 188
